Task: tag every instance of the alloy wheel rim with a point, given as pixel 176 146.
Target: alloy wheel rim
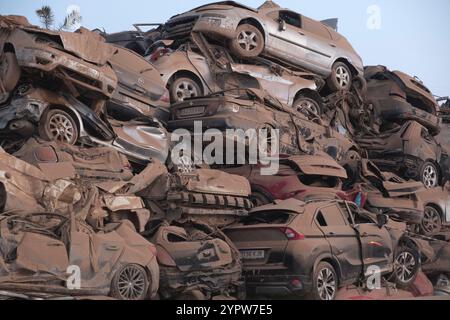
pixel 326 284
pixel 342 77
pixel 248 40
pixel 186 90
pixel 61 128
pixel 431 220
pixel 405 264
pixel 430 177
pixel 131 284
pixel 309 105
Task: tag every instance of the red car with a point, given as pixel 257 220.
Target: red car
pixel 300 177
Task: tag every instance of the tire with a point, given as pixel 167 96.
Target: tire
pixel 248 42
pixel 9 71
pixel 258 199
pixel 431 223
pixel 429 175
pixel 406 267
pixel 341 77
pixel 307 106
pixel 183 88
pixel 130 274
pixel 58 125
pixel 324 270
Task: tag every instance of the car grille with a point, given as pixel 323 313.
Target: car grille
pixel 180 28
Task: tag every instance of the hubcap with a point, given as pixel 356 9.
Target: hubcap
pixel 248 40
pixel 342 77
pixel 131 283
pixel 61 128
pixel 308 106
pixel 405 265
pixel 431 220
pixel 186 90
pixel 326 284
pixel 430 177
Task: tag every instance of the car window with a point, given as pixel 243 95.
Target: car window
pixel 331 216
pixel 291 18
pixel 315 27
pixel 357 217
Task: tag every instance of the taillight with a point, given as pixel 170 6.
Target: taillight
pixel 292 235
pixel 166 96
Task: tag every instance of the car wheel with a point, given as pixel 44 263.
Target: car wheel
pixel 431 223
pixel 341 77
pixel 248 41
pixel 58 125
pixel 307 106
pixel 429 175
pixel 130 283
pixel 406 266
pixel 258 199
pixel 325 282
pixel 184 88
pixel 9 71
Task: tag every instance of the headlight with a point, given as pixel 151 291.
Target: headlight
pixel 232 108
pixel 214 22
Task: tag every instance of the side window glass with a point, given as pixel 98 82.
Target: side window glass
pixel 333 216
pixel 321 220
pixel 291 18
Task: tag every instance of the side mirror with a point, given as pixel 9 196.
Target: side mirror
pixel 282 25
pixel 382 220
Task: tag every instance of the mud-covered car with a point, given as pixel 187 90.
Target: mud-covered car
pixel 437 210
pixel 299 177
pixel 39 251
pixel 383 192
pixel 254 109
pixel 188 75
pixel 57 116
pixel 275 32
pixel 197 262
pixel 78 60
pixel 207 196
pixel 398 97
pixel 296 248
pixel 411 152
pixel 140 86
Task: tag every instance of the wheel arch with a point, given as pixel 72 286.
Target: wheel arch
pixel 437 207
pixel 310 93
pixel 72 112
pixel 347 62
pixel 333 262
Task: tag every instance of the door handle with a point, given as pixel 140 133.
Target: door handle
pixel 331 233
pixel 332 45
pixel 301 33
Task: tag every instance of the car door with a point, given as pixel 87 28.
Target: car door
pixel 376 243
pixel 343 240
pixel 321 47
pixel 286 43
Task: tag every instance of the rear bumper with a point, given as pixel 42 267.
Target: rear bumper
pixel 278 283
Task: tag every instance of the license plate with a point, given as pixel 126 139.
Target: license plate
pixel 193 111
pixel 253 254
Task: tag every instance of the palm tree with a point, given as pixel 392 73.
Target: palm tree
pixel 47 18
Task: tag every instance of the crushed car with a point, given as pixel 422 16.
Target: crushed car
pixel 39 250
pixel 254 109
pixel 437 210
pixel 197 262
pixel 188 75
pixel 409 151
pixel 301 177
pixel 383 192
pixel 398 97
pixel 275 32
pixel 293 248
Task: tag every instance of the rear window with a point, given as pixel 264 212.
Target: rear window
pixel 269 217
pixel 315 27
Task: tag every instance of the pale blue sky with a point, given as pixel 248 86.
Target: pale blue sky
pixel 414 35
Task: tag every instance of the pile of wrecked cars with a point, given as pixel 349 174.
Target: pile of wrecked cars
pixel 96 201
